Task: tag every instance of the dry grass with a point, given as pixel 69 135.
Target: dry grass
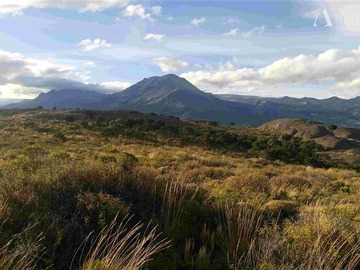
pixel 183 183
pixel 119 248
pixel 240 230
pixel 20 254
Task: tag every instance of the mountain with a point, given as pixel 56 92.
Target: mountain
pixel 65 98
pixel 333 110
pixel 176 96
pixel 172 95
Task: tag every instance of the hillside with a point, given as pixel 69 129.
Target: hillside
pixel 81 187
pixel 342 144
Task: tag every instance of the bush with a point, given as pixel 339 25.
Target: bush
pixel 59 135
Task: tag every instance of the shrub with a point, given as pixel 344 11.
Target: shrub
pixel 59 135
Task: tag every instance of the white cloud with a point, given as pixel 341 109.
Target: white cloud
pixel 232 32
pixel 156 10
pixel 227 66
pixel 13 65
pixel 169 65
pixel 25 77
pixel 170 18
pixel 156 37
pixel 89 45
pixel 18 73
pixel 198 22
pixel 90 64
pixel 16 7
pixel 83 76
pixel 137 11
pixel 115 86
pixel 257 31
pixel 337 67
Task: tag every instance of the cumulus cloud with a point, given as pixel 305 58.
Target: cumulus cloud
pixel 12 65
pixel 340 67
pixel 169 65
pixel 16 7
pixel 156 37
pixel 137 11
pixel 25 77
pixel 232 32
pixel 198 21
pixel 115 86
pixel 89 45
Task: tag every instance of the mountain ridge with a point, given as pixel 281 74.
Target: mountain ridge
pixel 172 95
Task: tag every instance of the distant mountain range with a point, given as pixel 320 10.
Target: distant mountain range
pixel 334 110
pixel 172 95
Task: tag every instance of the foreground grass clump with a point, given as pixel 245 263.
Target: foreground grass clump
pixel 118 248
pixel 65 204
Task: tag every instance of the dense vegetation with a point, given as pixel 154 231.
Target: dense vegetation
pixel 86 191
pixel 211 135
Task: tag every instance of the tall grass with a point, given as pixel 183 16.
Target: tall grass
pixel 19 253
pixel 177 199
pixel 333 244
pixel 119 248
pixel 240 227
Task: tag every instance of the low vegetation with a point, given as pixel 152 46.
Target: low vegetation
pixel 151 192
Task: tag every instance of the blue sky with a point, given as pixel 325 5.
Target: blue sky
pixel 267 48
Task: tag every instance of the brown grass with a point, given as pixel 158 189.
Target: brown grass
pixel 117 247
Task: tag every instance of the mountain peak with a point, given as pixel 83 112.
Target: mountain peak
pixel 156 87
pixel 171 75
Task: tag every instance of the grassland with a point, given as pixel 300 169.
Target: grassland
pixel 85 190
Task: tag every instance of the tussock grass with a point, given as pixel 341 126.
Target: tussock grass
pixel 241 225
pixel 123 247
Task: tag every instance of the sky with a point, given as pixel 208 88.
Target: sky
pixel 264 48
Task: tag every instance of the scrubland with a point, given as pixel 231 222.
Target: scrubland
pixel 74 194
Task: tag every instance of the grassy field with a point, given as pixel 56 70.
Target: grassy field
pixel 85 190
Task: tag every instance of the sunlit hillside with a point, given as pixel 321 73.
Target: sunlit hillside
pixel 123 190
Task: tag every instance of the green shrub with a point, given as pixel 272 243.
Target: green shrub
pixel 59 135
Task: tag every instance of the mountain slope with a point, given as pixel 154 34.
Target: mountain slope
pixel 173 95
